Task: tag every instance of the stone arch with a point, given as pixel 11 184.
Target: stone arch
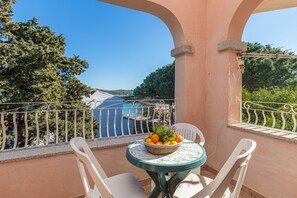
pixel 233 43
pixel 159 11
pixel 240 18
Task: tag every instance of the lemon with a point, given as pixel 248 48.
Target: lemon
pixel 148 140
pixel 166 143
pixel 173 142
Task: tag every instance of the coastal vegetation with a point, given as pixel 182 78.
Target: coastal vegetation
pixel 34 68
pixel 271 83
pixel 264 79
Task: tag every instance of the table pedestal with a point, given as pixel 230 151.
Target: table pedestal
pixel 165 184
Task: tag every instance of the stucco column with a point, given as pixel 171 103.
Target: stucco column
pixel 231 48
pixel 189 85
pixel 183 59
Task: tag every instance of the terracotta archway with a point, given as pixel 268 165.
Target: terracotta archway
pixel 240 18
pixel 157 10
pixel 235 31
pixel 187 37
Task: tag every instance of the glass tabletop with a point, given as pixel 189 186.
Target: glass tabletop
pixel 189 155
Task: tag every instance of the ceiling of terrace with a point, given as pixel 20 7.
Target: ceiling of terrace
pixel 268 5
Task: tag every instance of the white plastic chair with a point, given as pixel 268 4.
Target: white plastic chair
pixel 118 186
pixel 199 187
pixel 189 132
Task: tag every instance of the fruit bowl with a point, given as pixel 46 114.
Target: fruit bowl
pixel 159 149
pixel 163 139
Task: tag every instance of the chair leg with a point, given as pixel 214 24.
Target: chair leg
pixel 196 171
pixel 152 185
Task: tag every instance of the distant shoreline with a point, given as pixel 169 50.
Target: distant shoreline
pixel 118 92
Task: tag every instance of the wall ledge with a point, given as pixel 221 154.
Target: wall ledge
pixel 266 131
pixel 232 45
pixel 63 148
pixel 184 49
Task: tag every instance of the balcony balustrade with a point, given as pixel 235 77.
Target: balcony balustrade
pixel 281 116
pixel 31 124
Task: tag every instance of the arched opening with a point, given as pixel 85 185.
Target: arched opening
pixel 235 32
pixel 262 68
pixel 269 79
pixel 159 11
pixel 51 125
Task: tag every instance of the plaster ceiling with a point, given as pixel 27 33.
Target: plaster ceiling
pixel 269 5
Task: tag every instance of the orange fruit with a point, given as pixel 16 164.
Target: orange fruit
pixel 151 143
pixel 148 140
pixel 155 138
pixel 150 135
pixel 178 138
pixel 159 143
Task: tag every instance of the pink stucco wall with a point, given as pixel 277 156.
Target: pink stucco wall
pixel 58 176
pixel 208 91
pixel 208 87
pixel 271 171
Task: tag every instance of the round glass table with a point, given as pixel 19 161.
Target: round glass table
pixel 188 156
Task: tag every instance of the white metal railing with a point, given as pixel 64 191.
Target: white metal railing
pixel 270 114
pixel 30 124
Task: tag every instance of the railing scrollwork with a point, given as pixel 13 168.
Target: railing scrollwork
pixel 270 114
pixel 30 124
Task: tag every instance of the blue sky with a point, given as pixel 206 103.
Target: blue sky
pixel 275 27
pixel 123 46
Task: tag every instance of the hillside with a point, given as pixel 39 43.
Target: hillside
pixel 119 92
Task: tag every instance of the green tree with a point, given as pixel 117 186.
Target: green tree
pixel 259 73
pixel 274 100
pixel 34 68
pixel 271 83
pixel 159 84
pixel 6 13
pixel 283 95
pixel 269 72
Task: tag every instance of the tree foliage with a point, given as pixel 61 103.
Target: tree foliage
pixel 260 74
pixel 33 65
pixel 6 13
pixel 159 84
pixel 283 95
pixel 34 68
pixel 269 72
pixel 276 101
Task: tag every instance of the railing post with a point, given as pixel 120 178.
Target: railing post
pixel 45 124
pixel 3 132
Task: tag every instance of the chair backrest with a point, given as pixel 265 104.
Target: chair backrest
pixel 190 132
pixel 85 158
pixel 239 159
